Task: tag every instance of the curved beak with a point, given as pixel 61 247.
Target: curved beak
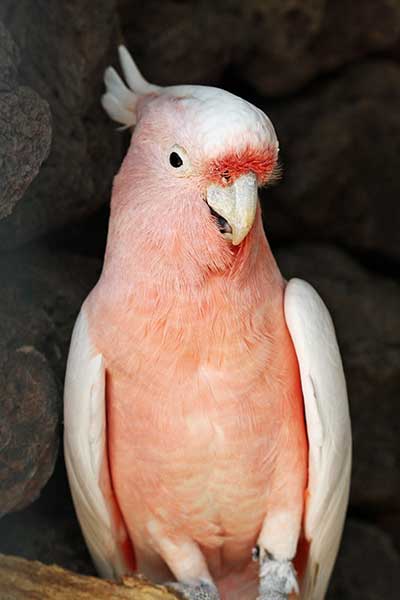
pixel 237 204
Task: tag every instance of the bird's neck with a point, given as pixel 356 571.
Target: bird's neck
pixel 181 266
pixel 147 295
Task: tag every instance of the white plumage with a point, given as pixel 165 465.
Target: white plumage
pixel 219 117
pixel 85 449
pixel 328 429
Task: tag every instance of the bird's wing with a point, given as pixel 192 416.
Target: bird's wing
pixel 328 429
pixel 86 457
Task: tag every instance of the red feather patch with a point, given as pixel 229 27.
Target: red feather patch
pixel 230 166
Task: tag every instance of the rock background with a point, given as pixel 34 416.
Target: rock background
pixel 328 73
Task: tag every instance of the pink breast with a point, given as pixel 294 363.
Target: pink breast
pixel 194 426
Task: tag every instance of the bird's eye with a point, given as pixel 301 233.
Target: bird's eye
pixel 178 159
pixel 175 160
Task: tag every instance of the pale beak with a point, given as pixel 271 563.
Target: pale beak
pixel 237 204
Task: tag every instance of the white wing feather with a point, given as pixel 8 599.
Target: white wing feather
pixel 86 452
pixel 328 428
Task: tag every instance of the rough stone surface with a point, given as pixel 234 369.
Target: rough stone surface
pixel 9 60
pixel 290 42
pixel 25 137
pixel 368 566
pixel 65 47
pixel 170 49
pixel 25 129
pixel 365 310
pixel 390 522
pixel 340 145
pixel 48 530
pixel 40 296
pixel 276 46
pixel 28 426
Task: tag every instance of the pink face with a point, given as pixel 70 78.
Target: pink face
pixel 170 152
pixel 171 125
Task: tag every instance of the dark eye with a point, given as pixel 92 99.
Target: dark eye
pixel 175 160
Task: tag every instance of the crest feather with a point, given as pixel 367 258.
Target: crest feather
pixel 120 101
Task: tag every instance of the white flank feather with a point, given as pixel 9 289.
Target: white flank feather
pixel 328 428
pixel 86 452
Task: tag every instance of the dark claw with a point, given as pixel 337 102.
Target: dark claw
pixel 255 553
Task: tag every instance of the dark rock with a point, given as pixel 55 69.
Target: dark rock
pixel 48 530
pixel 390 522
pixel 65 47
pixel 290 42
pixel 365 311
pixel 182 42
pixel 40 296
pixel 28 426
pixel 50 539
pixel 41 293
pixel 368 566
pixel 25 129
pixel 9 60
pixel 276 46
pixel 25 137
pixel 340 147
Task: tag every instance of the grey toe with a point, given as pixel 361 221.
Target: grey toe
pixel 277 579
pixel 200 591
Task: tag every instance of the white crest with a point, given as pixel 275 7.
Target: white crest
pixel 120 101
pixel 220 119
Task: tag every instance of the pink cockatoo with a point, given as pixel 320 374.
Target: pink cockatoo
pixel 207 432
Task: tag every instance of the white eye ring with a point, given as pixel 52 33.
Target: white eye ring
pixel 178 160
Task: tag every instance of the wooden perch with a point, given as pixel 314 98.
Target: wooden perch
pixel 22 579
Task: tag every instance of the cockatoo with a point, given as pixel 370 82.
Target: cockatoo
pixel 207 431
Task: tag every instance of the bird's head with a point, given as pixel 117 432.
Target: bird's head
pixel 196 147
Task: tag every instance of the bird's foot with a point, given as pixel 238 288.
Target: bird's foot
pixel 203 590
pixel 277 577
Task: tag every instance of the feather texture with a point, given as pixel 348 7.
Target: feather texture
pixel 328 428
pixel 86 457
